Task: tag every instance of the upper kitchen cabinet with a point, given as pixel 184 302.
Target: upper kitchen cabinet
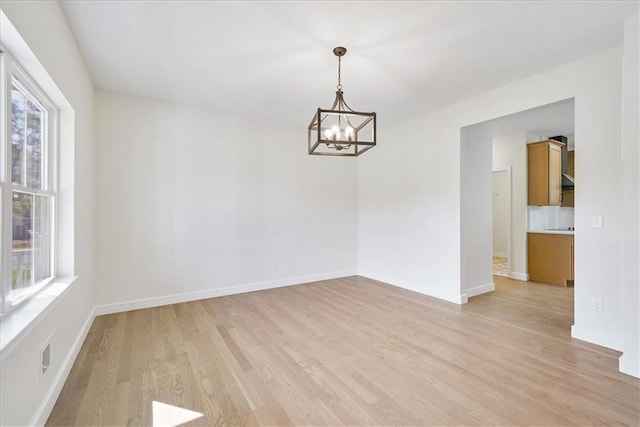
pixel 567 193
pixel 545 173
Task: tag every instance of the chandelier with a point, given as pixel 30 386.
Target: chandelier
pixel 339 130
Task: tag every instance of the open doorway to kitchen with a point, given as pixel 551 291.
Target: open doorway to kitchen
pixel 501 212
pixel 488 148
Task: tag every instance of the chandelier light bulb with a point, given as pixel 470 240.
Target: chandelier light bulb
pixel 348 133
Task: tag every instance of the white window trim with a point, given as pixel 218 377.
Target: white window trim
pixel 16 325
pixel 13 73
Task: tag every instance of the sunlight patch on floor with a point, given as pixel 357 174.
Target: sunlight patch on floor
pixel 166 415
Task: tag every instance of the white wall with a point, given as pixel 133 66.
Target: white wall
pixel 630 360
pixel 511 151
pixel 24 398
pixel 409 207
pixel 410 190
pixel 475 211
pixel 195 203
pixel 500 209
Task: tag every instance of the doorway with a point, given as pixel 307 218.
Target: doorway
pixel 501 213
pixel 490 146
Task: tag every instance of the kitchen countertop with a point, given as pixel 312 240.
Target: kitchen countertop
pixel 563 231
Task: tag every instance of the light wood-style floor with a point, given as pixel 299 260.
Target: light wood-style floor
pixel 350 352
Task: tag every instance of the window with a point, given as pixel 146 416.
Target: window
pixel 27 185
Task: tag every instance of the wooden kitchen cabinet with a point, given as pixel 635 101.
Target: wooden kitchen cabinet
pixel 568 199
pixel 550 258
pixel 568 194
pixel 544 160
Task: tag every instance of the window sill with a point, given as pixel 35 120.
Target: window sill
pixel 27 315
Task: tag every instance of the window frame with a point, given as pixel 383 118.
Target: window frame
pixel 12 74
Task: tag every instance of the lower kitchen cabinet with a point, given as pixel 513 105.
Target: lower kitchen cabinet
pixel 550 258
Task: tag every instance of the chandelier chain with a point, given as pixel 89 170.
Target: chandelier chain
pixel 339 87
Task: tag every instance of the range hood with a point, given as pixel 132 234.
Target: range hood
pixel 568 182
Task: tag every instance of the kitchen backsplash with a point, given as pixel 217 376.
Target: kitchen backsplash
pixel 550 218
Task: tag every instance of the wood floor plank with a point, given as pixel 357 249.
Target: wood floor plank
pixel 119 413
pixel 97 402
pixel 350 351
pixel 78 380
pixel 140 380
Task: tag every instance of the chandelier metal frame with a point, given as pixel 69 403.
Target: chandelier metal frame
pixel 340 130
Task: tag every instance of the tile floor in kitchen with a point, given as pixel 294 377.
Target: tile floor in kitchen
pixel 500 266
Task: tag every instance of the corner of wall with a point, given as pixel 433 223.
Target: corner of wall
pixel 629 364
pixel 597 337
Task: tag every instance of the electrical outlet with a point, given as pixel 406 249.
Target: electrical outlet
pixel 596 303
pixel 274 265
pixel 596 221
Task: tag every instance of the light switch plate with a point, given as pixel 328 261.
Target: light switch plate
pixel 596 221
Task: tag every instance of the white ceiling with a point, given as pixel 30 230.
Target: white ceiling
pixel 545 121
pixel 274 60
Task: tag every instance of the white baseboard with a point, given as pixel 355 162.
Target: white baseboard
pixel 42 414
pixel 218 292
pixel 519 276
pixel 500 254
pixel 629 365
pixel 480 289
pixel 597 338
pixel 411 286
